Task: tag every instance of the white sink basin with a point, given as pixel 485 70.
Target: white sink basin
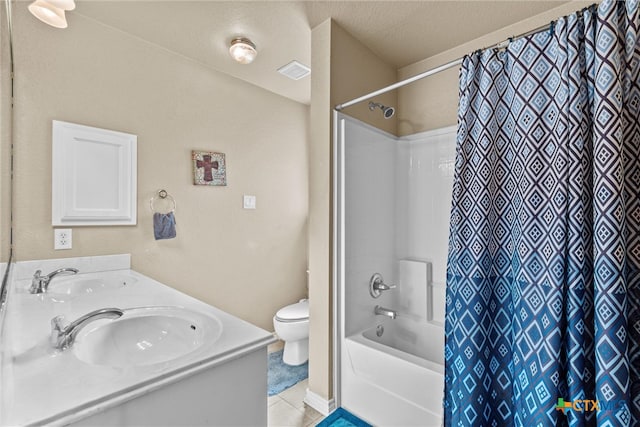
pixel 79 286
pixel 146 336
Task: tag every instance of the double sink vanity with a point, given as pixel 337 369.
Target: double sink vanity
pixel 110 346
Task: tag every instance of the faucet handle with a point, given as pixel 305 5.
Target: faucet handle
pixel 36 283
pixel 377 285
pixel 56 330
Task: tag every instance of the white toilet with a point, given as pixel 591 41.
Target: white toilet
pixel 292 326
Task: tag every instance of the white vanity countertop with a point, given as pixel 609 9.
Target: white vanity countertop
pixel 41 385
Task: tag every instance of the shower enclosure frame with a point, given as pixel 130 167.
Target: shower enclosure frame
pixel 338 248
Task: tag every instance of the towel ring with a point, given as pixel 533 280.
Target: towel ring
pixel 162 194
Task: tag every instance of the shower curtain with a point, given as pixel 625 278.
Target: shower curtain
pixel 543 283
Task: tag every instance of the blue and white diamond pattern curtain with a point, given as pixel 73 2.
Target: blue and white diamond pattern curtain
pixel 543 286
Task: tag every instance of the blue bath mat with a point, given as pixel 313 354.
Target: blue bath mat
pixel 342 418
pixel 282 376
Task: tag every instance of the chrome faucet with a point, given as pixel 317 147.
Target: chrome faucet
pixel 385 312
pixel 40 284
pixel 64 337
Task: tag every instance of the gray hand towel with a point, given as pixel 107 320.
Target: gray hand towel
pixel 164 226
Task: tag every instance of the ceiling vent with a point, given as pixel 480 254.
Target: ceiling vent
pixel 294 70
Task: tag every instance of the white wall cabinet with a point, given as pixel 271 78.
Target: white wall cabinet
pixel 93 176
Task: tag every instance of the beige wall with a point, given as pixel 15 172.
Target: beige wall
pixel 320 337
pixel 343 68
pixel 247 262
pixel 355 71
pixel 432 103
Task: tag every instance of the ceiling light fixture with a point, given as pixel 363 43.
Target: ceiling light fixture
pixel 243 50
pixel 52 12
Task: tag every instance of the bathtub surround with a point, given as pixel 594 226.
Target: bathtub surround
pixel 394 195
pixel 543 302
pixel 99 385
pixel 370 218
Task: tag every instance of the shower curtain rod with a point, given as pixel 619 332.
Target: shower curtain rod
pixel 500 45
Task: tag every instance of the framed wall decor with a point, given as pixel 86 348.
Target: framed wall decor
pixel 209 168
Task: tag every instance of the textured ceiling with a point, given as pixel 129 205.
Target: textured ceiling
pixel 404 32
pixel 399 32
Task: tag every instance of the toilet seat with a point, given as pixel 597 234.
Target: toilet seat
pixel 294 313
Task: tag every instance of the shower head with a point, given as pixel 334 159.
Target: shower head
pixel 388 112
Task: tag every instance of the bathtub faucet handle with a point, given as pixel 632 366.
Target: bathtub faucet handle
pixel 377 285
pixel 383 286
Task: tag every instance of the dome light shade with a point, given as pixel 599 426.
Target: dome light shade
pixel 48 13
pixel 243 50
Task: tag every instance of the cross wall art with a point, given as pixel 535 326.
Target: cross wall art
pixel 209 168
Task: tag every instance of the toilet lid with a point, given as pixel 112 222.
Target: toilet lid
pixel 294 312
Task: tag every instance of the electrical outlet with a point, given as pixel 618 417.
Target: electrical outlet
pixel 62 238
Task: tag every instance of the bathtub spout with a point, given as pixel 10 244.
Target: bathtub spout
pixel 385 312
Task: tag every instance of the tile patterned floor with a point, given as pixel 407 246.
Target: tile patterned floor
pixel 287 409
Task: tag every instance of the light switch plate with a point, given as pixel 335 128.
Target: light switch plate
pixel 249 202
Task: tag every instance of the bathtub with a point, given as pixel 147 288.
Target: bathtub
pixel 393 373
